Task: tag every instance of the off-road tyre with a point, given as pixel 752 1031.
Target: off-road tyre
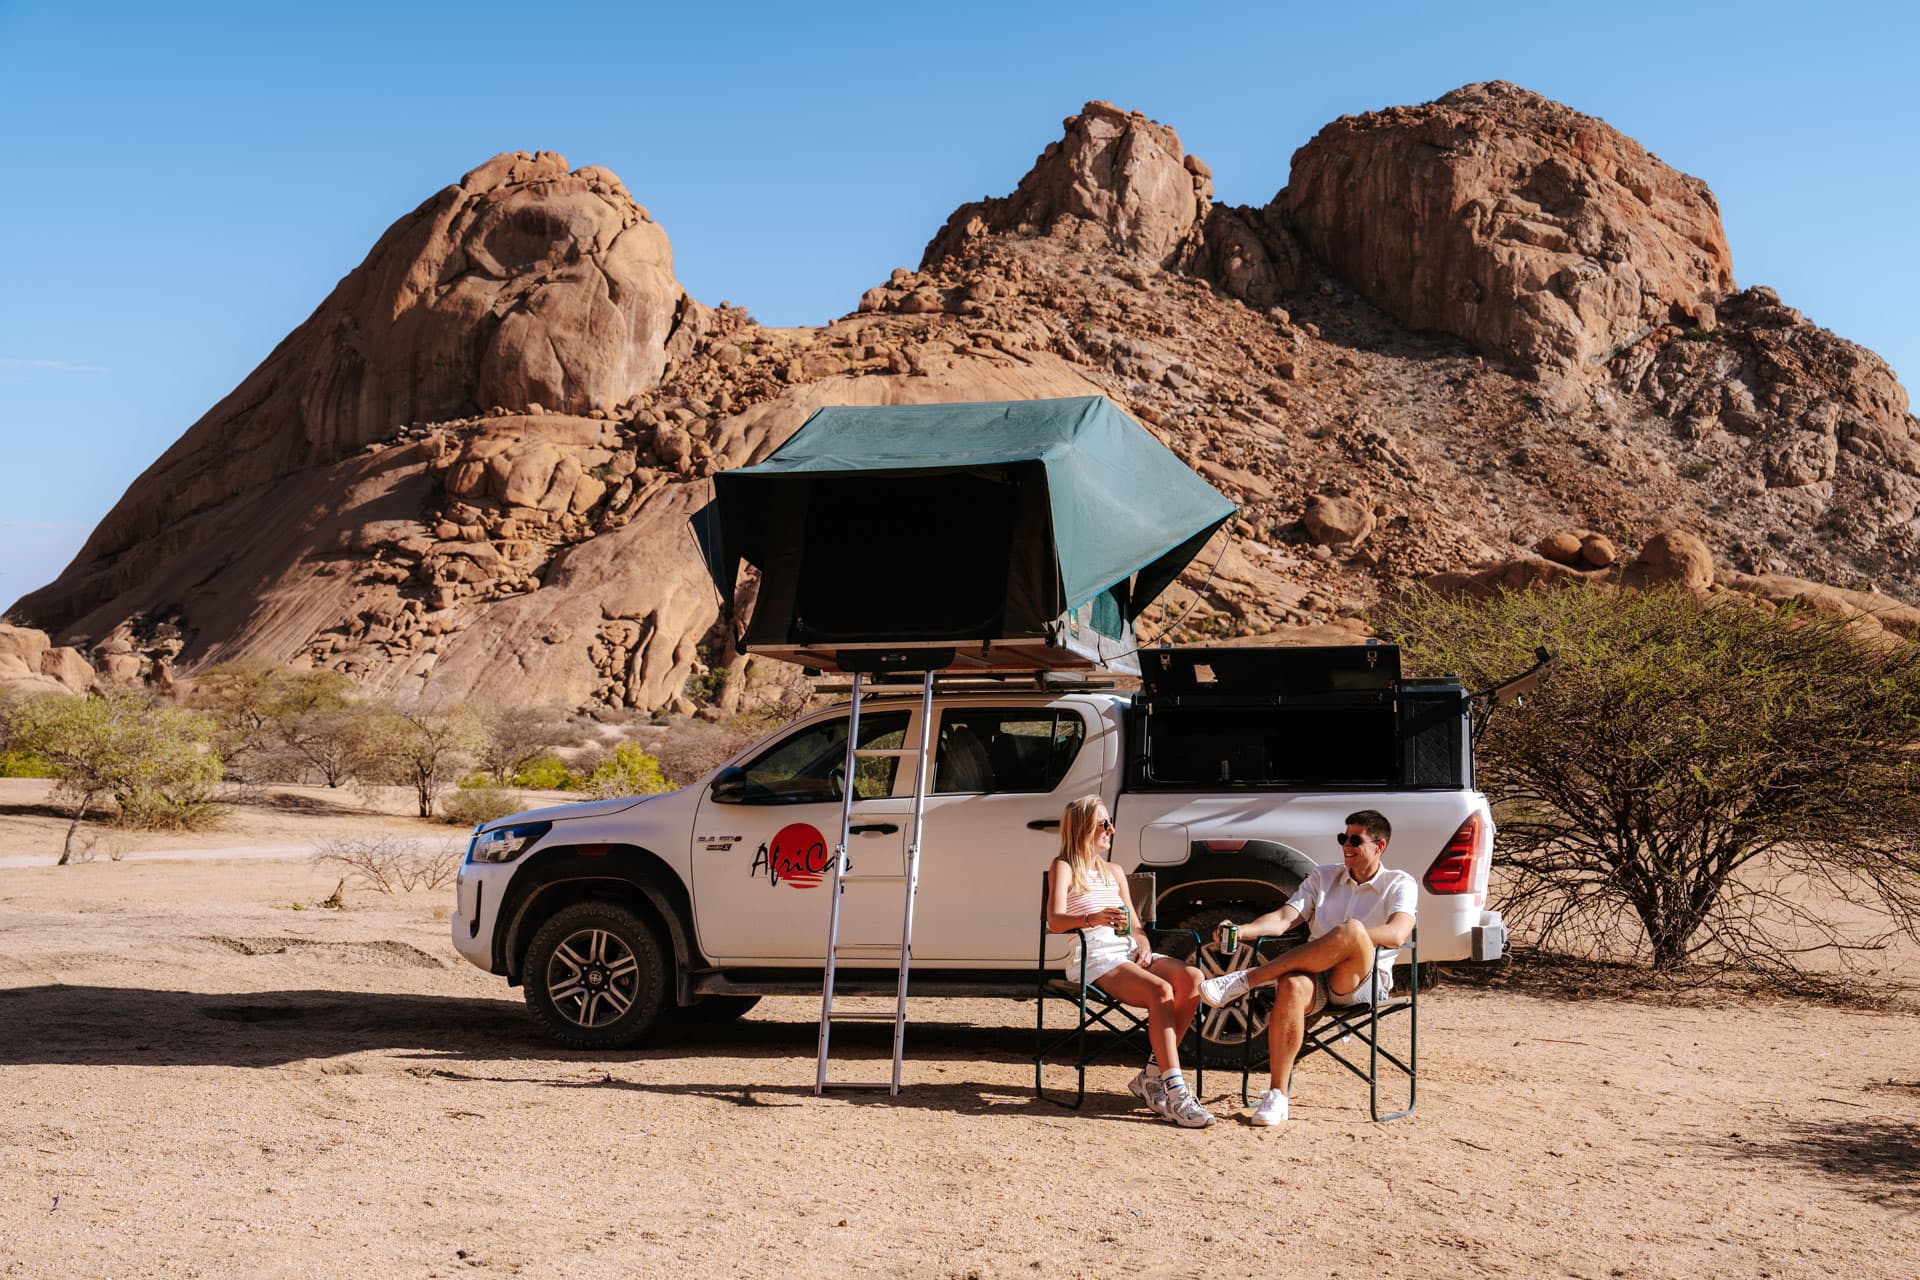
pixel 597 976
pixel 1222 1030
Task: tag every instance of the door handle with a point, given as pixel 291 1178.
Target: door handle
pixel 874 829
pixel 1044 824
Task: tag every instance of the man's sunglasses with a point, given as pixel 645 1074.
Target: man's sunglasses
pixel 1344 839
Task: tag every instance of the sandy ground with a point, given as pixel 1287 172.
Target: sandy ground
pixel 204 1074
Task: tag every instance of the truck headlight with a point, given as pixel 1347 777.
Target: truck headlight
pixel 504 844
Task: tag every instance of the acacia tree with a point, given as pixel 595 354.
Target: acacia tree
pixel 1690 770
pixel 326 741
pixel 269 715
pixel 426 749
pixel 157 761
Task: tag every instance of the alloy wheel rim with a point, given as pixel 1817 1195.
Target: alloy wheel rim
pixel 1226 1027
pixel 593 978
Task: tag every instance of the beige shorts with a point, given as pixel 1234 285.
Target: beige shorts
pixel 1323 995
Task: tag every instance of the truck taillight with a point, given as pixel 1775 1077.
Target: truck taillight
pixel 1456 867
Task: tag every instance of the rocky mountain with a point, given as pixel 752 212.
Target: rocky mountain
pixel 1488 338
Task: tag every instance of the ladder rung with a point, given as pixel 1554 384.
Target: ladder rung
pixel 899 954
pixel 864 1015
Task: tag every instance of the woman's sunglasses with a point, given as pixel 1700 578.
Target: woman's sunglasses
pixel 1104 824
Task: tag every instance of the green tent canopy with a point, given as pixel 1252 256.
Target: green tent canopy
pixel 1022 534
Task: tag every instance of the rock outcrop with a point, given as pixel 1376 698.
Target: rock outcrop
pixel 523 284
pixel 1529 230
pixel 1115 180
pixel 468 476
pixel 30 663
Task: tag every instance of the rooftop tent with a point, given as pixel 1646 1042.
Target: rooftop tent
pixel 1022 535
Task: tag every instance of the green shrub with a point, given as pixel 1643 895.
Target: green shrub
pixel 629 771
pixel 24 764
pixel 548 773
pixel 469 806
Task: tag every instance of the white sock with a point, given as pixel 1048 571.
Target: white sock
pixel 1175 1082
pixel 1153 1066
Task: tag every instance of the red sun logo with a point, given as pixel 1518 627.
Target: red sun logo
pixel 797 855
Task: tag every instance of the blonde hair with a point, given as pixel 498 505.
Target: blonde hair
pixel 1077 841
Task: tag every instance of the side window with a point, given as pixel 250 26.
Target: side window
pixel 986 750
pixel 804 768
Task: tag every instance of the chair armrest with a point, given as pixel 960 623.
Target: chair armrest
pixel 1408 951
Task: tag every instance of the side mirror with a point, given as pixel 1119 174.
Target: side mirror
pixel 729 786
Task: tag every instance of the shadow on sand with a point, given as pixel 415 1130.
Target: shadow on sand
pixel 1877 1157
pixel 432 1034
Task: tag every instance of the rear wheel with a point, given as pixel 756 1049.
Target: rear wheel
pixel 1224 1031
pixel 597 976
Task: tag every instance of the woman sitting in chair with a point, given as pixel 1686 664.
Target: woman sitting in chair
pixel 1086 891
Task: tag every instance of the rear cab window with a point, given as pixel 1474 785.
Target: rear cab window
pixel 996 750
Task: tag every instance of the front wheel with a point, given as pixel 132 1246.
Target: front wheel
pixel 597 976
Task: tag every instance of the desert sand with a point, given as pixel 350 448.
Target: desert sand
pixel 203 1073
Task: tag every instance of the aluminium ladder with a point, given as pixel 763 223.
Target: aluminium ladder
pixel 844 876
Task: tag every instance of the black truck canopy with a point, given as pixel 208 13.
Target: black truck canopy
pixel 1022 535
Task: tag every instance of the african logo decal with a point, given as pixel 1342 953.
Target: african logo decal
pixel 797 855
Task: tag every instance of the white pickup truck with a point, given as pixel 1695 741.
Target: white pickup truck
pixel 691 905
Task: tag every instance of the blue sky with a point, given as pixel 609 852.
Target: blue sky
pixel 184 183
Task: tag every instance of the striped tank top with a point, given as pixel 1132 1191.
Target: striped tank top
pixel 1105 948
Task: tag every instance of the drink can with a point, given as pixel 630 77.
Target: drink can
pixel 1126 922
pixel 1229 936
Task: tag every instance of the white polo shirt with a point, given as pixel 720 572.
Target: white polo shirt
pixel 1330 897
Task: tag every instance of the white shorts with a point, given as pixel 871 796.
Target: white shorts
pixel 1104 955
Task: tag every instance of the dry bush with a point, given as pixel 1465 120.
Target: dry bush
pixel 690 748
pixel 513 737
pixel 391 864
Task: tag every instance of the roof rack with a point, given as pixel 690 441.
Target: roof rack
pixel 1000 682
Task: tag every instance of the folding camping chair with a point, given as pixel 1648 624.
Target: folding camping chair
pixel 1338 1023
pixel 1094 1007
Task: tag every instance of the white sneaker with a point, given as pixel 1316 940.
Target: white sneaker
pixel 1224 989
pixel 1272 1109
pixel 1185 1110
pixel 1149 1090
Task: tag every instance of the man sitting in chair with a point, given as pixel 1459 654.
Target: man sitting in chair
pixel 1358 912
